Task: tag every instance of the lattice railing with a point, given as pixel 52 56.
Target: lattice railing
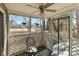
pixel 75 47
pixel 17 42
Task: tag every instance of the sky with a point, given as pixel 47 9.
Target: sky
pixel 74 17
pixel 19 19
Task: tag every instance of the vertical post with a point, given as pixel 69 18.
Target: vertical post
pixel 48 25
pixel 50 30
pixel 51 35
pixel 5 35
pixel 43 24
pixel 1 34
pixel 77 25
pixel 70 36
pixel 8 34
pixel 43 29
pixel 42 42
pixel 58 36
pixel 7 24
pixel 29 25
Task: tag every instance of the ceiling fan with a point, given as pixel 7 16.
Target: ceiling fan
pixel 43 7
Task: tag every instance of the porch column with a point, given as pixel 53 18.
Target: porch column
pixel 49 24
pixel 29 25
pixel 70 33
pixel 43 43
pixel 1 34
pixel 77 25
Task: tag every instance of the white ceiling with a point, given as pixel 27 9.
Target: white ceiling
pixel 22 9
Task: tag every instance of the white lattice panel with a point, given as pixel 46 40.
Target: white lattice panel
pixel 17 42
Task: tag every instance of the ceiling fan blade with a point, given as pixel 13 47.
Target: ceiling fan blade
pixel 32 6
pixel 49 10
pixel 48 5
pixel 34 11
